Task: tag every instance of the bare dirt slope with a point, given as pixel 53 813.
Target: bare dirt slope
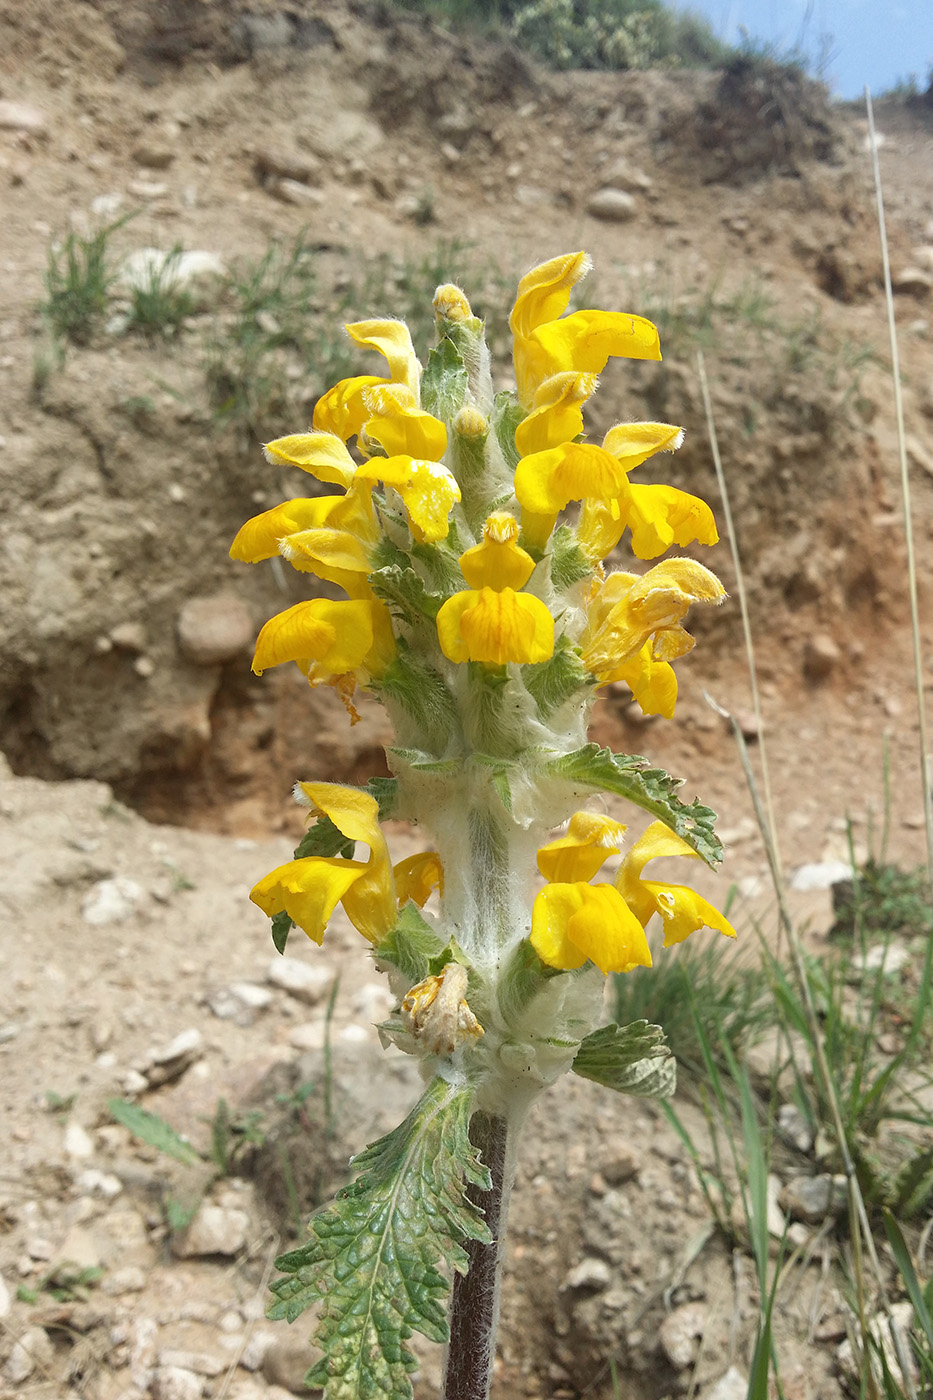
pixel 750 230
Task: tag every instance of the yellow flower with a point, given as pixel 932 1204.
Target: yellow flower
pixel 322 454
pixel 582 341
pixel 343 410
pixel 657 515
pixel 682 910
pixel 320 635
pixel 334 555
pixel 491 621
pixel 309 889
pixel 573 923
pixel 261 537
pixel 545 482
pixel 399 425
pixel 625 612
pixel 428 491
pixel 579 855
pixel 557 415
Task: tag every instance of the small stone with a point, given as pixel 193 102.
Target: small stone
pixel 214 1230
pixel 111 901
pixel 213 630
pixel 173 1383
pixel 79 1248
pixel 287 165
pixel 619 1161
pixel 96 1183
pixel 820 657
pixel 773 1213
pixel 912 281
pixel 147 189
pixel 196 272
pixel 154 155
pixel 732 1386
pixel 794 1128
pixel 887 957
pixel 309 1036
pixel 31 1350
pixel 251 994
pixel 134 1083
pixel 680 1333
pixel 21 116
pixel 287 1362
pixel 820 875
pixel 107 206
pixel 39 1248
pixel 626 177
pixel 77 1141
pixel 810 1198
pixel 590 1275
pixel 130 1279
pixel 614 206
pixel 129 636
pixel 918 455
pixel 296 192
pixel 201 1362
pixel 308 982
pixel 171 1061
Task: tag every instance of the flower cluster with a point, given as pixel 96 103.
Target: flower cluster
pixel 468 531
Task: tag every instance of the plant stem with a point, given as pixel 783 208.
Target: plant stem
pixel 474 1308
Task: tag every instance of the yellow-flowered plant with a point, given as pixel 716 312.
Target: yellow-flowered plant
pixel 468 531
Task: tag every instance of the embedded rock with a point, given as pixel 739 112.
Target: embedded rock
pixel 214 630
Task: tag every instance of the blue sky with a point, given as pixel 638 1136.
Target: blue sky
pixel 866 41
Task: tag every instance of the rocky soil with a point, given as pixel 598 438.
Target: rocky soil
pixel 136 968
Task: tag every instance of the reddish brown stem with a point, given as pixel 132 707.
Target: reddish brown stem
pixel 474 1308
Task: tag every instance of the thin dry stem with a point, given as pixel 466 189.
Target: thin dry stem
pixel 743 607
pixel 905 495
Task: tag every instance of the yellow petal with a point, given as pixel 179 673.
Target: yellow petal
pixel 495 627
pixel 354 813
pixel 582 852
pixel 571 923
pixel 498 562
pixel 324 455
pixel 400 426
pixel 548 481
pixel 634 443
pixel 427 489
pixel 557 415
pixel 647 606
pixel 583 341
pixel 342 409
pixel 656 841
pixel 417 877
pixel 683 911
pixel 653 683
pixel 259 538
pixel 544 292
pixel 335 555
pixel 337 635
pixel 308 891
pixel 391 339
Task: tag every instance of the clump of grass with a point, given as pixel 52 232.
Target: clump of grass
pixel 159 304
pixel 79 278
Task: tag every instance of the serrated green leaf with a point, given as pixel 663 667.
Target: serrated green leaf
pixel 444 382
pixel 553 681
pixel 652 789
pixel 375 1255
pixel 412 946
pixel 406 594
pixel 148 1127
pixel 507 413
pixel 630 1059
pixel 568 562
pixel 282 925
